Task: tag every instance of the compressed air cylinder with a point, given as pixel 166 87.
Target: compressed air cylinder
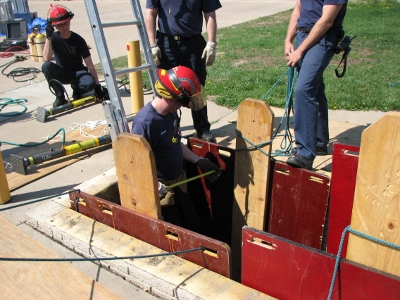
pixel 40 39
pixel 4 189
pixel 32 46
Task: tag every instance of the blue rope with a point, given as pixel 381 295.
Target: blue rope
pixel 287 141
pixel 8 101
pixel 360 234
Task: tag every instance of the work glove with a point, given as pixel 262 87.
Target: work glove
pixel 206 166
pixel 209 53
pixel 49 30
pixel 155 50
pixel 98 92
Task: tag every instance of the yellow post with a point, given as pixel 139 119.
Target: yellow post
pixel 135 78
pixel 4 189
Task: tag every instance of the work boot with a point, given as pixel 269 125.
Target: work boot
pixel 76 95
pixel 321 151
pixel 299 161
pixel 59 101
pixel 206 136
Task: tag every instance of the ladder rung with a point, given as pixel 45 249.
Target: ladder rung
pixel 116 24
pixel 135 69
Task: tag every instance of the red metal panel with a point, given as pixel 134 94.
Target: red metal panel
pixel 299 203
pixel 166 236
pixel 288 270
pixel 343 182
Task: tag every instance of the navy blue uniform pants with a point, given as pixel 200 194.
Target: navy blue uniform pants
pixel 83 83
pixel 187 52
pixel 310 103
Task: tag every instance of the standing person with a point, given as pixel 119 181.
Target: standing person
pixel 317 26
pixel 178 42
pixel 69 50
pixel 158 123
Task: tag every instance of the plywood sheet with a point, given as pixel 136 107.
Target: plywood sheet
pixel 343 183
pixel 299 202
pixel 288 270
pixel 254 126
pixel 136 172
pixel 376 209
pixel 41 280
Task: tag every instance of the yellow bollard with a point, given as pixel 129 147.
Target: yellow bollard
pixel 135 78
pixel 4 189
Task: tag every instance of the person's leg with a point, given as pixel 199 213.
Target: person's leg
pixel 84 84
pixel 309 103
pixel 56 77
pixel 322 125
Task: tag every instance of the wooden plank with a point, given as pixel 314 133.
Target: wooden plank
pixel 299 202
pixel 255 124
pixel 343 183
pixel 288 270
pixel 136 173
pixel 376 209
pixel 41 280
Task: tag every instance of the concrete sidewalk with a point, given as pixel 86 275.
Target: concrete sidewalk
pixel 24 128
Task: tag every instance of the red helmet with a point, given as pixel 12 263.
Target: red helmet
pixel 182 83
pixel 59 14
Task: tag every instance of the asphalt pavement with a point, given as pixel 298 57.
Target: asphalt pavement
pixel 24 128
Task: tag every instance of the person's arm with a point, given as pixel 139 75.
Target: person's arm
pixel 151 18
pixel 89 64
pixel 188 155
pixel 48 51
pixel 292 30
pixel 211 26
pixel 329 13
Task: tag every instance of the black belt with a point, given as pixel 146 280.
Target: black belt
pixel 305 29
pixel 178 37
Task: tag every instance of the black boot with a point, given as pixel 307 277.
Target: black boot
pixel 59 101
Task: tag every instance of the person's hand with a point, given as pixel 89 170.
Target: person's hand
pixel 98 92
pixel 167 199
pixel 155 50
pixel 206 166
pixel 209 53
pixel 49 30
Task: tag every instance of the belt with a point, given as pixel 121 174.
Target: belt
pixel 305 29
pixel 178 37
pixel 180 178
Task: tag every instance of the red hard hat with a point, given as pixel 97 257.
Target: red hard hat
pixel 180 81
pixel 59 14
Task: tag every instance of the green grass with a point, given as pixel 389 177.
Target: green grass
pixel 250 60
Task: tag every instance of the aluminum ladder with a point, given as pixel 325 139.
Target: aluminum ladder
pixel 113 108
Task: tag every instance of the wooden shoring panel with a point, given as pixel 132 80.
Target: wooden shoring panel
pixel 343 183
pixel 254 126
pixel 376 209
pixel 38 279
pixel 299 202
pixel 288 270
pixel 171 238
pixel 136 172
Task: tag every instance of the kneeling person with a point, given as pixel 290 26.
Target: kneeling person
pixel 69 50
